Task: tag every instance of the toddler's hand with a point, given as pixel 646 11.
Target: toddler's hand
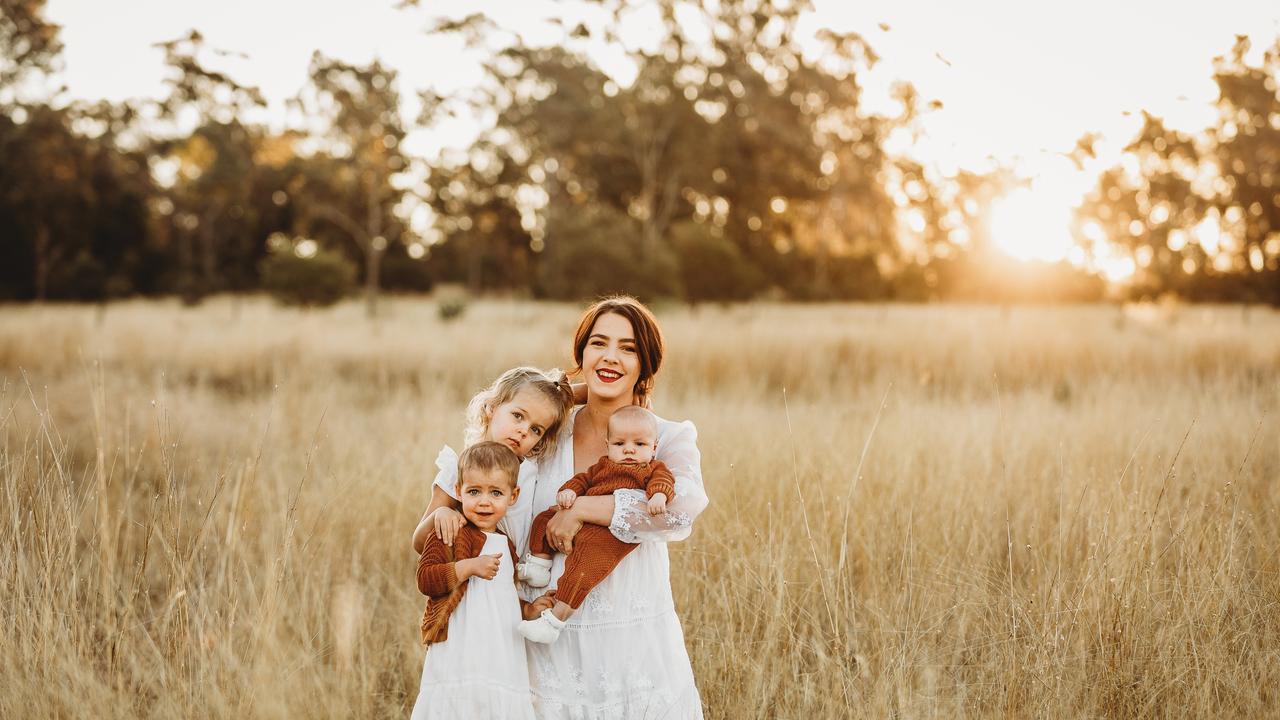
pixel 657 504
pixel 565 498
pixel 483 566
pixel 448 523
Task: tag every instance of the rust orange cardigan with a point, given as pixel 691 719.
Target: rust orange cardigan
pixel 438 580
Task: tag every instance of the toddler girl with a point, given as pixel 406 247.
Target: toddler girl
pixel 475 665
pixel 523 409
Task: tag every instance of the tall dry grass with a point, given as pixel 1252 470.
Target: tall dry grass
pixel 1059 512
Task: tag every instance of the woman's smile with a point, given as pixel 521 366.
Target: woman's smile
pixel 610 357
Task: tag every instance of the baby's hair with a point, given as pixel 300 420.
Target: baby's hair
pixel 551 383
pixel 633 413
pixel 488 456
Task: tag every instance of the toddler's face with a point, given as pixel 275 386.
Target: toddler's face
pixel 521 422
pixel 485 497
pixel 631 442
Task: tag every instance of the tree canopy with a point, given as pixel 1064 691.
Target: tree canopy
pixel 730 156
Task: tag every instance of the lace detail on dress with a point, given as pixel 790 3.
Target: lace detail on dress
pixel 599 604
pixel 632 522
pixel 631 695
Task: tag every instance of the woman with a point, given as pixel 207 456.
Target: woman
pixel 622 654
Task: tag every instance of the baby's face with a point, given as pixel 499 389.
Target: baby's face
pixel 631 442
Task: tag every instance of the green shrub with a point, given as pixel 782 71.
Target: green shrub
pixel 598 251
pixel 322 279
pixel 712 267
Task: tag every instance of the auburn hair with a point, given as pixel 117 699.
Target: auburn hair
pixel 645 328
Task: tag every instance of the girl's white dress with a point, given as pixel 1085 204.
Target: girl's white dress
pixel 622 654
pixel 480 671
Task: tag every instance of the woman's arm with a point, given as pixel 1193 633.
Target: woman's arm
pixel 565 524
pixel 427 525
pixel 631 521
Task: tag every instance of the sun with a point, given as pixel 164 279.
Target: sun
pixel 1032 224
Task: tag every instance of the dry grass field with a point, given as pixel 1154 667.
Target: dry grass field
pixel 1061 512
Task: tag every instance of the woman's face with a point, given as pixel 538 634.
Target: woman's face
pixel 522 421
pixel 609 360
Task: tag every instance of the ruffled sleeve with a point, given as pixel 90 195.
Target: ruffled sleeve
pixel 447 471
pixel 678 450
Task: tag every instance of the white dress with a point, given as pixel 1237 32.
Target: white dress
pixel 480 671
pixel 622 655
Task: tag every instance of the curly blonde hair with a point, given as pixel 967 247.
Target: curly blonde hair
pixel 553 384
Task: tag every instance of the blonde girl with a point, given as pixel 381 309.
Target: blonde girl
pixel 525 410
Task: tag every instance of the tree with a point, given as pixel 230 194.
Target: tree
pixel 1200 213
pixel 743 134
pixel 208 194
pixel 350 185
pixel 29 46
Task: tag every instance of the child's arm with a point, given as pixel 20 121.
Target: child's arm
pixel 660 486
pixel 660 481
pixel 579 483
pixel 574 489
pixel 447 522
pixel 437 576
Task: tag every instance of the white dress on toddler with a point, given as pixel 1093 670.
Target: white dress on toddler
pixel 480 671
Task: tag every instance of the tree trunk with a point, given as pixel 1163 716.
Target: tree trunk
pixel 372 270
pixel 375 246
pixel 42 262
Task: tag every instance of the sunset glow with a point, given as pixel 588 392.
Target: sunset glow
pixel 1032 225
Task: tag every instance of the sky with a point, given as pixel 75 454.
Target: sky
pixel 1019 81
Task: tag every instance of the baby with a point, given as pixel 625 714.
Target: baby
pixel 632 438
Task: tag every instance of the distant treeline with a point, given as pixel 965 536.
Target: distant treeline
pixel 732 167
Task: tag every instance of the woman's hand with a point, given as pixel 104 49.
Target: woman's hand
pixel 535 608
pixel 561 530
pixel 448 522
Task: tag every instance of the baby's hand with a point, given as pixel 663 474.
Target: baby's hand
pixel 448 523
pixel 483 566
pixel 657 504
pixel 565 498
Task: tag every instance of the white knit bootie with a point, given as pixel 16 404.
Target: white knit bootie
pixel 543 630
pixel 534 571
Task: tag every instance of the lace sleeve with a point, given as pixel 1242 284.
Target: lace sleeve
pixel 632 523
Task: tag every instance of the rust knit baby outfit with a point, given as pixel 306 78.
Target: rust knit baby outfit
pixel 438 580
pixel 596 552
